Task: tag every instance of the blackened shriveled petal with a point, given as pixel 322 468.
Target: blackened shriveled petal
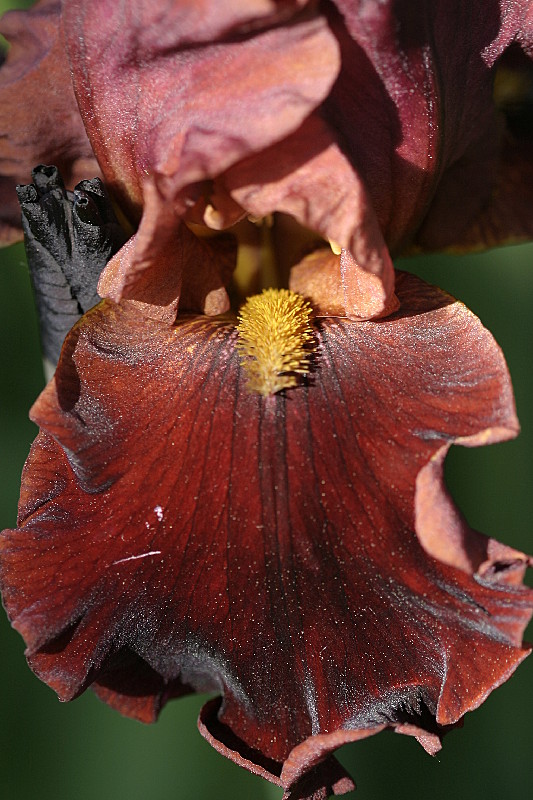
pixel 267 548
pixel 69 238
pixel 39 117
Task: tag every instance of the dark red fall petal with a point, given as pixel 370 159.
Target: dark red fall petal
pixel 266 548
pixel 39 118
pixel 445 534
pixel 160 95
pixel 310 770
pixel 130 686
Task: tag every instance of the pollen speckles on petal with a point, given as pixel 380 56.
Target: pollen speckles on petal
pixel 275 339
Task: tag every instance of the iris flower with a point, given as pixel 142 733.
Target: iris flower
pixel 241 492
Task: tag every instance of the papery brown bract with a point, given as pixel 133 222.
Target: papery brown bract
pixel 177 533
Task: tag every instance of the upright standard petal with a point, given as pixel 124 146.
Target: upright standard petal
pixel 179 533
pixel 39 118
pixel 226 102
pixel 160 93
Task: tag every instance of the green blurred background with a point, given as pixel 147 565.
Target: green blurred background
pixel 84 751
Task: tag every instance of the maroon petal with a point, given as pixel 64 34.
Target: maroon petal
pixel 184 92
pixel 39 118
pixel 176 532
pixel 493 180
pixel 414 109
pixel 506 219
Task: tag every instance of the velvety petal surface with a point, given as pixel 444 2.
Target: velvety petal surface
pixel 39 118
pixel 184 91
pixel 177 533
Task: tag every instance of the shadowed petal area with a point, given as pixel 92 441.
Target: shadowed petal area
pixel 413 108
pixel 39 117
pixel 177 533
pixel 502 161
pixel 164 264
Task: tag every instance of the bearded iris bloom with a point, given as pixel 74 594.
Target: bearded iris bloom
pixel 283 541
